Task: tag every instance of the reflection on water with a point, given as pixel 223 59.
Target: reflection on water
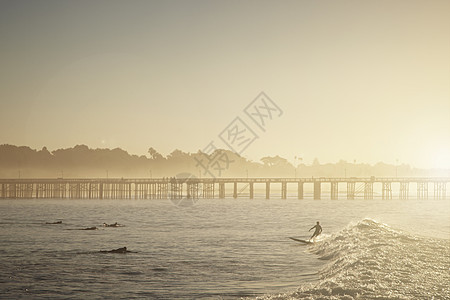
pixel 227 248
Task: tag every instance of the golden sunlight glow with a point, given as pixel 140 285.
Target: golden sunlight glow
pixel 441 159
pixel 355 80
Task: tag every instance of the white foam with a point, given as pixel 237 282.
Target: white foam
pixel 370 260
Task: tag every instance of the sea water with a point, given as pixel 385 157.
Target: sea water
pixel 225 249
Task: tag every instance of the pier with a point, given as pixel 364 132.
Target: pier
pixel 220 188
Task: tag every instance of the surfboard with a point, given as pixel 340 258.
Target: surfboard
pixel 301 241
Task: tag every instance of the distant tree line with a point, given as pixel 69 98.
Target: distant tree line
pixel 82 161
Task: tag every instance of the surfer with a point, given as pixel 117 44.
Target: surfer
pixel 111 225
pixel 119 250
pixel 317 231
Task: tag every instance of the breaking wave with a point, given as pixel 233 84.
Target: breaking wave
pixel 370 260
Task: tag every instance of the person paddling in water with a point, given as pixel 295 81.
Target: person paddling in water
pixel 317 231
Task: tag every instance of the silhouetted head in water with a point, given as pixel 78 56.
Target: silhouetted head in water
pixel 317 222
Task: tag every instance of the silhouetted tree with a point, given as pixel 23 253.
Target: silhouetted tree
pixel 155 155
pixel 82 161
pixel 316 162
pixel 274 161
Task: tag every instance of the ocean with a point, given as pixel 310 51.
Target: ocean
pixel 225 249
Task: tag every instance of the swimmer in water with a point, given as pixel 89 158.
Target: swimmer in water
pixel 111 225
pixel 119 250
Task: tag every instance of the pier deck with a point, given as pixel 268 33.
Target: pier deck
pixel 210 188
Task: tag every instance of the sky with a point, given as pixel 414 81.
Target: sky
pixel 363 81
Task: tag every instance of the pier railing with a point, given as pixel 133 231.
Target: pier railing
pixel 210 188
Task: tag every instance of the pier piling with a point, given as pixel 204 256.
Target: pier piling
pixel 164 188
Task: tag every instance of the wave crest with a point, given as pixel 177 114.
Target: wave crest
pixel 370 260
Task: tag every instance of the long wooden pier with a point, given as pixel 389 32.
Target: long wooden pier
pixel 211 188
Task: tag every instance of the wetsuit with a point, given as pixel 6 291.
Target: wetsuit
pixel 317 231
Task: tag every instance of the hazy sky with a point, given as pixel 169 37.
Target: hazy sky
pixel 356 80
